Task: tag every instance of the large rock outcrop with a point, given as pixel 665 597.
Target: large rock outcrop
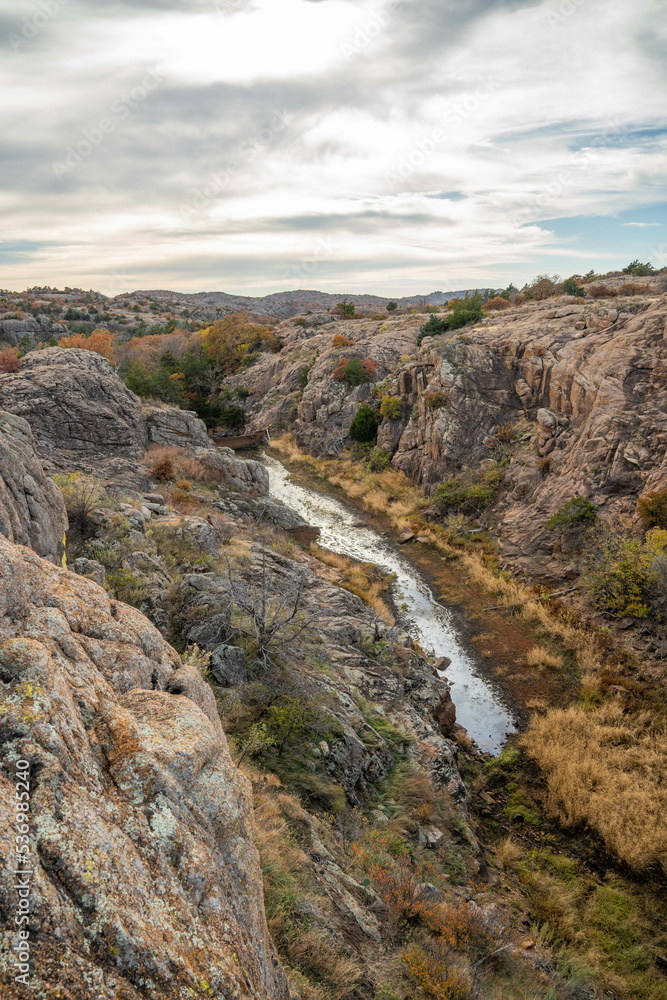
pixel 74 403
pixel 171 425
pixel 145 880
pixel 582 384
pixel 32 511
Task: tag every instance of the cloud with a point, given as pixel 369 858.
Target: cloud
pixel 642 225
pixel 411 139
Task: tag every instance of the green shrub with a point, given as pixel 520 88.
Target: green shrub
pixel 392 306
pixel 626 576
pixel 577 513
pixel 653 509
pixel 232 416
pixel 642 270
pixel 469 494
pixel 391 407
pixel 570 287
pixel 378 460
pixel 303 378
pixel 465 311
pixel 346 309
pixel 364 427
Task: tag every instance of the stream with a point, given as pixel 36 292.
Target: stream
pixel 478 707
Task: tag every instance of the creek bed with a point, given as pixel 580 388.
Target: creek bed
pixel 479 707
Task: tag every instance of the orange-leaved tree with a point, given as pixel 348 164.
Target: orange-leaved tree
pixel 100 342
pixel 10 361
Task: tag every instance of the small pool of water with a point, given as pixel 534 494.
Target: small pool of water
pixel 478 706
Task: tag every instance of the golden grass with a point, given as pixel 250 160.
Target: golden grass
pixel 362 579
pixel 184 463
pixel 607 770
pixel 541 658
pixel 508 852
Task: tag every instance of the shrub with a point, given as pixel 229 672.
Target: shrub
pixel 505 433
pixel 463 311
pixel 391 407
pixel 631 288
pixel 578 512
pixel 602 291
pixel 636 267
pixel 497 303
pixel 82 495
pixel 436 400
pixel 364 426
pixel 370 367
pixel 392 306
pixel 469 494
pixel 541 287
pixel 162 471
pixel 346 309
pixel 354 371
pixel 125 586
pixel 233 417
pixel 341 341
pixel 571 287
pixel 653 509
pixel 378 460
pixel 10 361
pixel 626 576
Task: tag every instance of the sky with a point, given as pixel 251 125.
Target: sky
pixel 394 148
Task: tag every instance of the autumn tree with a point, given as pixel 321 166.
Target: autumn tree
pixel 99 342
pixel 236 341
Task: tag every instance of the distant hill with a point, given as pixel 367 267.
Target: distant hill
pixel 278 305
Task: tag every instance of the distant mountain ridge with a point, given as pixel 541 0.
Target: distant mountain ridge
pixel 282 305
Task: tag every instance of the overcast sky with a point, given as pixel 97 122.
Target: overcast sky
pixel 394 148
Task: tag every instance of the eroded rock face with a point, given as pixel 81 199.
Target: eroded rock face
pixel 75 403
pixel 170 425
pixel 32 511
pixel 145 873
pixel 586 379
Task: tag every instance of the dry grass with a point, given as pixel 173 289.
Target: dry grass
pixel 362 579
pixel 185 465
pixel 607 770
pixel 287 870
pixel 508 853
pixel 541 658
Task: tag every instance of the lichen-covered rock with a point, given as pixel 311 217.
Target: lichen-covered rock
pixel 145 880
pixel 91 568
pixel 584 382
pixel 238 474
pixel 32 511
pixel 170 425
pixel 74 402
pixel 228 665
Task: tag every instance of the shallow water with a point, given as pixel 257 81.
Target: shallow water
pixel 478 706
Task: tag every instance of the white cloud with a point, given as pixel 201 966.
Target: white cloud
pixel 290 122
